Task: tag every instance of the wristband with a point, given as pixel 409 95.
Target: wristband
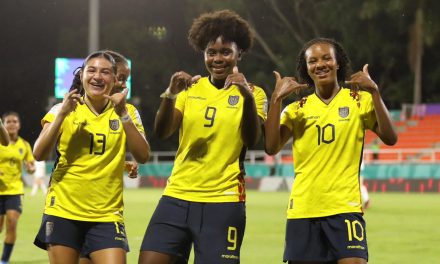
pixel 126 118
pixel 168 95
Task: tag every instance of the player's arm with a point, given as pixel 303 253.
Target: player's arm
pixel 276 135
pixel 49 134
pixel 250 123
pixel 4 136
pixel 385 128
pixel 136 141
pixel 168 118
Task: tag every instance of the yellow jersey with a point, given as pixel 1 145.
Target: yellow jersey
pixel 209 161
pixel 87 179
pixel 327 147
pixel 11 165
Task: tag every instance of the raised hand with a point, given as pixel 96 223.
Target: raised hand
pixel 131 167
pixel 237 78
pixel 118 100
pixel 284 86
pixel 70 101
pixel 363 81
pixel 181 81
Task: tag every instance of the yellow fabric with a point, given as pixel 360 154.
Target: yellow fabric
pixel 87 181
pixel 327 150
pixel 209 162
pixel 12 159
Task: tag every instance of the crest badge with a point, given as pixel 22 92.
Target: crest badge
pixel 344 111
pixel 114 124
pixel 233 99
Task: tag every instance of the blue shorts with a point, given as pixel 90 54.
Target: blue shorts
pixel 326 239
pixel 86 237
pixel 11 202
pixel 216 229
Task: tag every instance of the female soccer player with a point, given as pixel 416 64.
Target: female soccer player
pixel 12 158
pixel 84 204
pixel 324 214
pixel 218 117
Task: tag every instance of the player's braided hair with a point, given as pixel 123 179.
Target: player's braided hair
pixel 226 24
pixel 342 59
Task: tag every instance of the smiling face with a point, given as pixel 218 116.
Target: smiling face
pixel 322 66
pixel 12 125
pixel 98 77
pixel 220 59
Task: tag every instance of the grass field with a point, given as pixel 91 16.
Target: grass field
pixel 401 228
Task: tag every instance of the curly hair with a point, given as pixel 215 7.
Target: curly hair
pixel 226 24
pixel 341 58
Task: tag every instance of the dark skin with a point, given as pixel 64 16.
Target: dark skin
pixel 221 60
pixel 322 67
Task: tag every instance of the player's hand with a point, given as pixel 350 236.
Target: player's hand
pixel 237 78
pixel 285 86
pixel 363 81
pixel 131 167
pixel 30 167
pixel 70 101
pixel 119 100
pixel 181 81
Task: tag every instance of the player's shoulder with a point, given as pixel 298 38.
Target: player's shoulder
pixel 55 109
pixel 257 90
pixel 23 141
pixel 130 107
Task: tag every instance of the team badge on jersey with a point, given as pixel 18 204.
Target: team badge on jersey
pixel 114 124
pixel 344 112
pixel 233 99
pixel 21 151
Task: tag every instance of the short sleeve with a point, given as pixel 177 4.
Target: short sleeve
pixel 136 117
pixel 261 102
pixel 368 112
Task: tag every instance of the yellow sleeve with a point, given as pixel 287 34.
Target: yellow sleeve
pixel 136 117
pixel 288 115
pixel 261 102
pixel 50 116
pixel 368 112
pixel 28 156
pixel 180 101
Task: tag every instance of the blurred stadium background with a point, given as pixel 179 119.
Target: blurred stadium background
pixel 398 38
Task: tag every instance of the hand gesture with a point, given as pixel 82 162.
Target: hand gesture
pixel 181 81
pixel 285 86
pixel 118 101
pixel 363 81
pixel 237 78
pixel 70 101
pixel 131 167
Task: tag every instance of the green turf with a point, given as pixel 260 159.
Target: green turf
pixel 401 228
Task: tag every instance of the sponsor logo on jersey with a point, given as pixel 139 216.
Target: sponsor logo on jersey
pixel 344 112
pixel 114 124
pixel 233 99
